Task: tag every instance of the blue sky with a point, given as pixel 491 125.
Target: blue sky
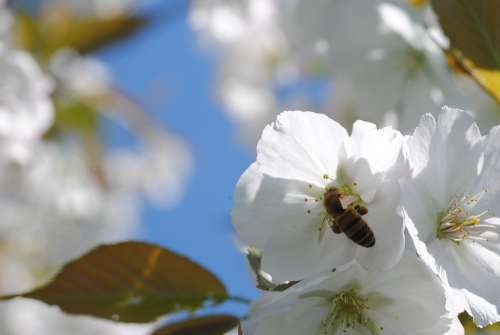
pixel 167 56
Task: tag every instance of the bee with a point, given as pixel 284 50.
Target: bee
pixel 345 215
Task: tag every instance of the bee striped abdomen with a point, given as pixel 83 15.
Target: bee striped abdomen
pixel 354 227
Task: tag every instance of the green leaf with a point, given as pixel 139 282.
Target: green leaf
pixel 130 282
pixel 473 27
pixel 207 325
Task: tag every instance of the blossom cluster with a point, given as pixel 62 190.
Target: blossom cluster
pixel 376 60
pixel 57 200
pixel 373 232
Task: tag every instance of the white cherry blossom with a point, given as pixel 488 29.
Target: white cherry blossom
pixel 409 299
pixel 279 200
pixel 451 208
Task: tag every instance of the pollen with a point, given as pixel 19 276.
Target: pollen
pixel 459 221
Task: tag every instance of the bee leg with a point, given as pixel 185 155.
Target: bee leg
pixel 362 210
pixel 335 227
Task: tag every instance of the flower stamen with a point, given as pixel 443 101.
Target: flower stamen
pixel 459 220
pixel 347 310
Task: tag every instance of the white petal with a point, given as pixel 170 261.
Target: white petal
pixel 471 271
pixel 264 205
pixel 491 163
pixel 419 211
pixel 387 227
pixel 302 317
pixel 302 146
pixel 417 146
pixel 380 147
pixel 294 255
pixel 417 294
pixel 250 231
pixel 440 148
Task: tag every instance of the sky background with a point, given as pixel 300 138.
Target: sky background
pixel 166 68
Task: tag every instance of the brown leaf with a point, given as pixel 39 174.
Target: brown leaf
pixel 130 282
pixel 473 27
pixel 207 325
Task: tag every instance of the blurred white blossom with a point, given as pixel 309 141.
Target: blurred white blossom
pixel 56 201
pixel 254 58
pixel 6 22
pixel 82 76
pixel 160 170
pixel 381 60
pixel 27 317
pixel 26 110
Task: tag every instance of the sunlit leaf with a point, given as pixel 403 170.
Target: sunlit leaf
pixel 418 3
pixel 130 282
pixel 471 329
pixel 473 27
pixel 48 33
pixel 207 325
pixel 487 79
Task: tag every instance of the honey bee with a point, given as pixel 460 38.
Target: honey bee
pixel 345 216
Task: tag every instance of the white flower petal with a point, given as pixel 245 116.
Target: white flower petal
pixel 302 146
pixel 380 147
pixel 264 205
pixel 412 288
pixel 294 255
pixel 388 229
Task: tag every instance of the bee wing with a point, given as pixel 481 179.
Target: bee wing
pixel 347 200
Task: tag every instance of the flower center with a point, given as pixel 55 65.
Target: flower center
pixel 457 223
pixel 347 310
